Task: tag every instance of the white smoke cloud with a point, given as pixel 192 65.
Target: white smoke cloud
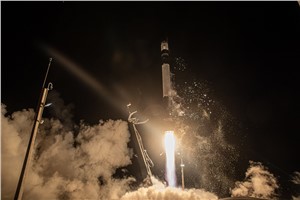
pixel 296 178
pixel 13 141
pixel 296 181
pixel 64 166
pixel 295 198
pixel 159 192
pixel 69 167
pixel 259 183
pixel 81 166
pixel 59 110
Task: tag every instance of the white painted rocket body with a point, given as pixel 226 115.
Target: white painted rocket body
pixel 166 74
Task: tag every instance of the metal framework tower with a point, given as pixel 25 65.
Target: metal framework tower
pixel 147 160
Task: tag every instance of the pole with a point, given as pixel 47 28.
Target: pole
pixel 29 151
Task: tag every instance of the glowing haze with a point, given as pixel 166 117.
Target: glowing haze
pixel 170 158
pixel 66 165
pixel 78 161
pixel 69 165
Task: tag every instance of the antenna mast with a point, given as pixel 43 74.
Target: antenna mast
pixel 37 122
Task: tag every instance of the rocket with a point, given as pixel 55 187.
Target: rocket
pixel 168 92
pixel 166 74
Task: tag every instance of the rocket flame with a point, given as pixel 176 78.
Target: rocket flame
pixel 170 158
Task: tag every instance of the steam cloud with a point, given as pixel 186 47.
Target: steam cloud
pixel 69 167
pixel 13 132
pixel 159 191
pixel 296 178
pixel 81 164
pixel 296 181
pixel 65 166
pixel 258 183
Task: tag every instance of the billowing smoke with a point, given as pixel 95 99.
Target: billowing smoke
pixel 65 166
pixel 80 164
pixel 59 110
pixel 259 183
pixel 75 167
pixel 159 191
pixel 296 178
pixel 296 181
pixel 14 130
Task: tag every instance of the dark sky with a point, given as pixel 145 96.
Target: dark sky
pixel 249 52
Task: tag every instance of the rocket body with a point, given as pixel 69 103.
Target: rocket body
pixel 166 74
pixel 166 79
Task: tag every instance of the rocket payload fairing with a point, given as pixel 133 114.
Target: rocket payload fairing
pixel 166 74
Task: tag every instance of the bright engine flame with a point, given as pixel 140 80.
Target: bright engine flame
pixel 170 158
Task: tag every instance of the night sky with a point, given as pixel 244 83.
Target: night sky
pixel 247 52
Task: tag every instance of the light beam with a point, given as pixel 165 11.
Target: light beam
pixel 85 77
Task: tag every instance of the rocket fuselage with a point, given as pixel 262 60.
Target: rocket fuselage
pixel 166 74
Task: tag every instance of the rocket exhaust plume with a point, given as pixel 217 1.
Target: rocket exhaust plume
pixel 170 158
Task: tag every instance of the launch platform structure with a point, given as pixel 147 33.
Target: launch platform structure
pixel 37 121
pixel 147 160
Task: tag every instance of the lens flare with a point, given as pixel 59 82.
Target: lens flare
pixel 170 158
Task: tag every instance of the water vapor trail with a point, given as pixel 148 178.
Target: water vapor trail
pixel 84 77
